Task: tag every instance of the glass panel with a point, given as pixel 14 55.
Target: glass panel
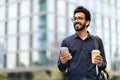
pixel 24 59
pixel 35 58
pixel 113 10
pixel 105 0
pixel 106 9
pixel 2 42
pixel 98 20
pixel 106 36
pixel 12 43
pixel 35 41
pixel 43 5
pixel 35 23
pixel 113 25
pixel 24 25
pixel 11 0
pixel 112 2
pixel 24 42
pixel 1 61
pixel 12 27
pixel 106 22
pixel 113 38
pixel 61 7
pixel 12 11
pixel 1 54
pixel 61 24
pixel 118 27
pixel 118 3
pixel 39 58
pixel 2 2
pixel 11 60
pixel 98 5
pixel 51 5
pixel 71 8
pixel 25 8
pixel 2 13
pixel 118 12
pixel 2 29
pixel 99 32
pixel 51 22
pixel 91 4
pixel 119 40
pixel 36 6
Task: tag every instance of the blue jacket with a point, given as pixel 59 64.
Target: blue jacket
pixel 80 67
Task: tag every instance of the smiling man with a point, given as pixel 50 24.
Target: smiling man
pixel 78 61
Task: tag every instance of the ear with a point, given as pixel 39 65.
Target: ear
pixel 87 23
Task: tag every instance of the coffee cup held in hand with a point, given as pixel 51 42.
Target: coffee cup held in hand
pixel 94 54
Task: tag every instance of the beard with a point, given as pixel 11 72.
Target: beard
pixel 79 27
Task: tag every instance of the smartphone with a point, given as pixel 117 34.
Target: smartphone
pixel 64 50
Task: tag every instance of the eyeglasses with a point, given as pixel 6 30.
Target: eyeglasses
pixel 77 18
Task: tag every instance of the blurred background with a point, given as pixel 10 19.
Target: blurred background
pixel 31 32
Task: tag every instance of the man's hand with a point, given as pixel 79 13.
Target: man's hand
pixel 98 60
pixel 65 57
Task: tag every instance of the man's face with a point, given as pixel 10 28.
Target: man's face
pixel 79 21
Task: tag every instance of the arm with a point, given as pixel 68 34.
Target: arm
pixel 63 59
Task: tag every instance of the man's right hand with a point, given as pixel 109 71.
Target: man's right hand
pixel 65 57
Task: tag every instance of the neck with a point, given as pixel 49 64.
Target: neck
pixel 82 34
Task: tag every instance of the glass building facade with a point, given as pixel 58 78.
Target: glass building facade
pixel 31 31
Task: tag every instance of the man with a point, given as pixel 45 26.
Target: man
pixel 78 62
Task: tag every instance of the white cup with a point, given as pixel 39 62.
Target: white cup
pixel 94 54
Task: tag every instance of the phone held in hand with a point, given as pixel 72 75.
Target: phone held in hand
pixel 64 50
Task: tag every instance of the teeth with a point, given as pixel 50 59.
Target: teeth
pixel 78 25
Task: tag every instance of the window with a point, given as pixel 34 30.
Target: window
pixel 24 25
pixel 35 23
pixel 106 9
pixel 118 12
pixel 1 54
pixel 12 43
pixel 35 6
pixel 98 20
pixel 118 3
pixel 11 0
pixel 11 60
pixel 2 2
pixel 12 27
pixel 25 8
pixel 24 42
pixel 98 6
pixel 2 13
pixel 24 59
pixel 106 23
pixel 43 5
pixel 61 7
pixel 2 29
pixel 12 11
pixel 113 25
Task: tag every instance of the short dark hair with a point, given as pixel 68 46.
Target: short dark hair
pixel 83 10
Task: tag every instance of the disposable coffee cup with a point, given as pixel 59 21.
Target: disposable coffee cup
pixel 94 54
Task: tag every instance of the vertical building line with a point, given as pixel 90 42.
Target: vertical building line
pixel 6 33
pixel 18 35
pixel 66 18
pixel 31 34
pixel 56 21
